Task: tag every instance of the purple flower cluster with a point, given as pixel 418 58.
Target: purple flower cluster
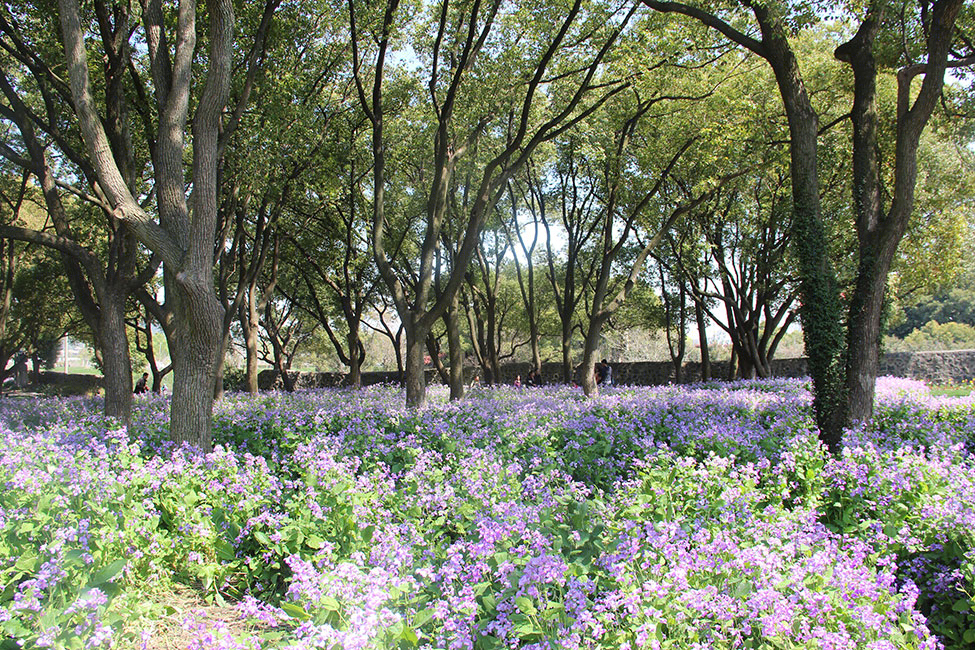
pixel 673 517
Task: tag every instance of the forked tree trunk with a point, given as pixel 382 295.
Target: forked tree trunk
pixel 184 235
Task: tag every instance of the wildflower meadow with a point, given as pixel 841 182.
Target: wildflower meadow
pixel 688 518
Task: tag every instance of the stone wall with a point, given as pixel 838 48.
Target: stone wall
pixel 945 367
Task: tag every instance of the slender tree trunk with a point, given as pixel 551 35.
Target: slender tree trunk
pixel 702 333
pixel 452 320
pixel 567 351
pixel 433 349
pixel 221 362
pixel 250 347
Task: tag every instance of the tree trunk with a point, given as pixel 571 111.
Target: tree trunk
pixel 702 333
pixel 250 323
pixel 567 352
pixel 866 316
pixel 821 309
pixel 197 332
pixel 588 379
pixel 414 380
pixel 218 372
pixel 116 363
pixel 250 346
pixel 433 349
pixel 355 355
pixel 452 320
pixel 879 233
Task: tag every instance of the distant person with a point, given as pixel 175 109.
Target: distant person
pixel 20 372
pixel 597 372
pixel 533 379
pixel 518 381
pixel 607 374
pixel 141 386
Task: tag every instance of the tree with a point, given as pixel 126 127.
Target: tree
pixel 285 332
pixel 472 42
pixel 524 256
pixel 102 272
pixel 573 196
pixel 184 235
pixel 843 364
pixel 752 279
pixel 265 198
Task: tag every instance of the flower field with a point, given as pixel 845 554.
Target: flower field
pixel 691 518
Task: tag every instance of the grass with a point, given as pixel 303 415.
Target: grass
pixel 963 389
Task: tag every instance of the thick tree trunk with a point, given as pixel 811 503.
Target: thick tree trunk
pixel 414 380
pixel 866 313
pixel 116 362
pixel 198 328
pixel 567 352
pixel 588 375
pixel 355 355
pixel 821 310
pixel 880 233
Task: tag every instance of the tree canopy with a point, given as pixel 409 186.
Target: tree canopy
pixel 506 178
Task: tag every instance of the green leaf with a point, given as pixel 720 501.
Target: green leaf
pixel 524 630
pixel 26 563
pixel 480 588
pixel 961 605
pixel 329 604
pixel 422 617
pixel 295 611
pixel 525 605
pixel 367 533
pixel 225 550
pixel 409 635
pixel 314 541
pixel 262 537
pixel 108 572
